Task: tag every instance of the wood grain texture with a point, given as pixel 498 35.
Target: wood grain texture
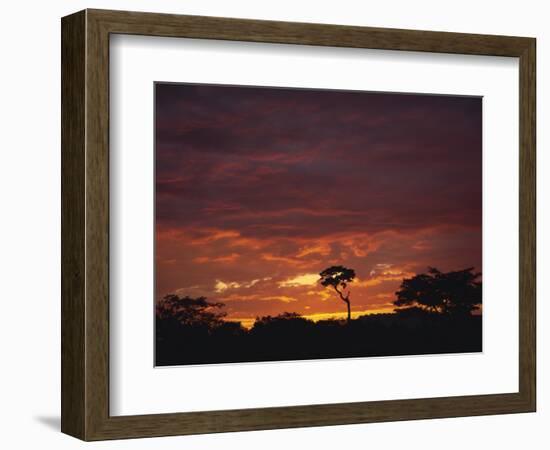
pixel 85 224
pixel 73 226
pixel 97 226
pixel 151 24
pixel 527 224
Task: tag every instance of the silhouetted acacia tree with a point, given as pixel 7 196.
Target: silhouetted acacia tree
pixel 190 311
pixel 456 293
pixel 339 277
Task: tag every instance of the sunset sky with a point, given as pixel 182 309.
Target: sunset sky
pixel 260 189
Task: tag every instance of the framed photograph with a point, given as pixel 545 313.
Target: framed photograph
pixel 272 225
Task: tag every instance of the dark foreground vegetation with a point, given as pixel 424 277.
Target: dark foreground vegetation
pixel 290 337
pixel 433 315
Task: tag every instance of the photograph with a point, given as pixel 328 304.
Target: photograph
pixel 301 224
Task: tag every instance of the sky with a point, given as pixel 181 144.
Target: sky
pixel 260 189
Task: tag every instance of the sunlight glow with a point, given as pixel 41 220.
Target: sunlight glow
pixel 248 322
pixel 308 279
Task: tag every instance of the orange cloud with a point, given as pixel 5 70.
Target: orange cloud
pixel 308 279
pixel 284 259
pixel 379 278
pixel 218 259
pixel 258 297
pixel 322 249
pixel 281 298
pixel 221 286
pixel 323 294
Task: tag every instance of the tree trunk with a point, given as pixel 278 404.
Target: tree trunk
pixel 346 301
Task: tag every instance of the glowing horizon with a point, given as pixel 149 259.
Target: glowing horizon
pixel 337 315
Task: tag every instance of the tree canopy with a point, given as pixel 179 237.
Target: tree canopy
pixel 191 311
pixel 454 293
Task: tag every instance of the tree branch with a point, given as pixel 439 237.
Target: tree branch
pixel 340 293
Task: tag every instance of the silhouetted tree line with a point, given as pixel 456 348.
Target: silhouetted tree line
pixel 433 315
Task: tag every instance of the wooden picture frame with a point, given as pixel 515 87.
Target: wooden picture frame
pixel 85 224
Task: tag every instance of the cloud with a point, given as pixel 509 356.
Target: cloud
pixel 290 260
pixel 220 286
pixel 377 278
pixel 217 259
pixel 308 279
pixel 322 249
pixel 380 267
pixel 322 294
pixel 281 298
pixel 257 297
pixel 258 190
